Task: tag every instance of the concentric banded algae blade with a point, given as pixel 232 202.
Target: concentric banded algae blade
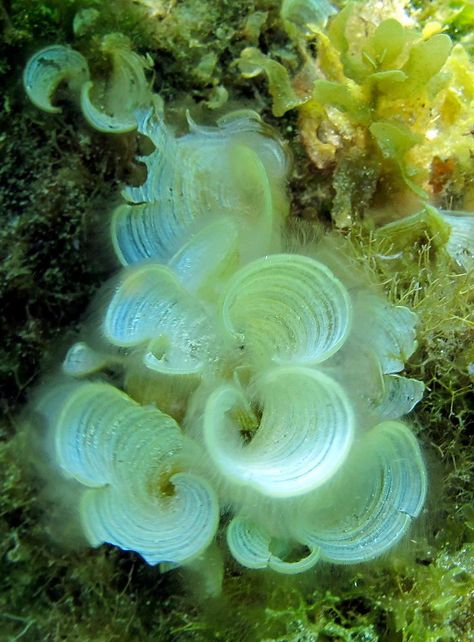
pixel 302 438
pixel 460 244
pixel 128 88
pixel 154 226
pixel 245 127
pixel 210 173
pixel 400 395
pixel 452 232
pixel 99 119
pixel 389 330
pixel 372 503
pixel 125 91
pixel 174 528
pixel 207 258
pixel 248 175
pixel 47 68
pixel 247 130
pixel 88 424
pixel 82 360
pixel 131 457
pixel 185 190
pixel 158 229
pixel 288 309
pixel 250 546
pixel 151 307
pixel 357 368
pixel 147 231
pixel 161 163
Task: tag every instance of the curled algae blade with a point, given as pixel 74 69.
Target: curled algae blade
pixel 302 438
pixel 208 256
pixel 460 244
pixel 400 395
pixel 150 306
pixel 177 528
pixel 47 69
pixel 246 127
pixel 391 330
pixel 210 173
pixel 87 421
pixel 82 360
pixel 126 90
pixel 144 231
pixel 287 308
pixel 130 457
pixel 99 119
pixel 373 502
pixel 449 231
pixel 250 546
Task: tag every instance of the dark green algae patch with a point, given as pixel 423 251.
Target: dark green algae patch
pixel 58 181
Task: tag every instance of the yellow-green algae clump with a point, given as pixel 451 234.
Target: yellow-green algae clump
pixel 422 597
pixel 381 103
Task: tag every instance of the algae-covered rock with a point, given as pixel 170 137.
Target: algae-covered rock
pixel 377 155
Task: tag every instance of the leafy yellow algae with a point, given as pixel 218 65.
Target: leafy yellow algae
pixel 383 96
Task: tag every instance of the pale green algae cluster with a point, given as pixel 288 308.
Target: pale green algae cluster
pixel 254 389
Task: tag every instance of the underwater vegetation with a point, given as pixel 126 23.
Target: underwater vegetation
pixel 253 351
pixel 384 107
pixel 423 590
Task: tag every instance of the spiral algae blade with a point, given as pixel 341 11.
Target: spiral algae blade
pixel 99 119
pixel 372 504
pixel 151 308
pixel 450 231
pixel 175 528
pixel 122 94
pixel 211 173
pixel 47 69
pixel 125 92
pixel 287 308
pixel 160 163
pixel 209 255
pixel 146 231
pixel 85 422
pixel 301 439
pixel 460 244
pixel 130 458
pixel 251 546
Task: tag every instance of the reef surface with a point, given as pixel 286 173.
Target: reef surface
pixel 59 182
